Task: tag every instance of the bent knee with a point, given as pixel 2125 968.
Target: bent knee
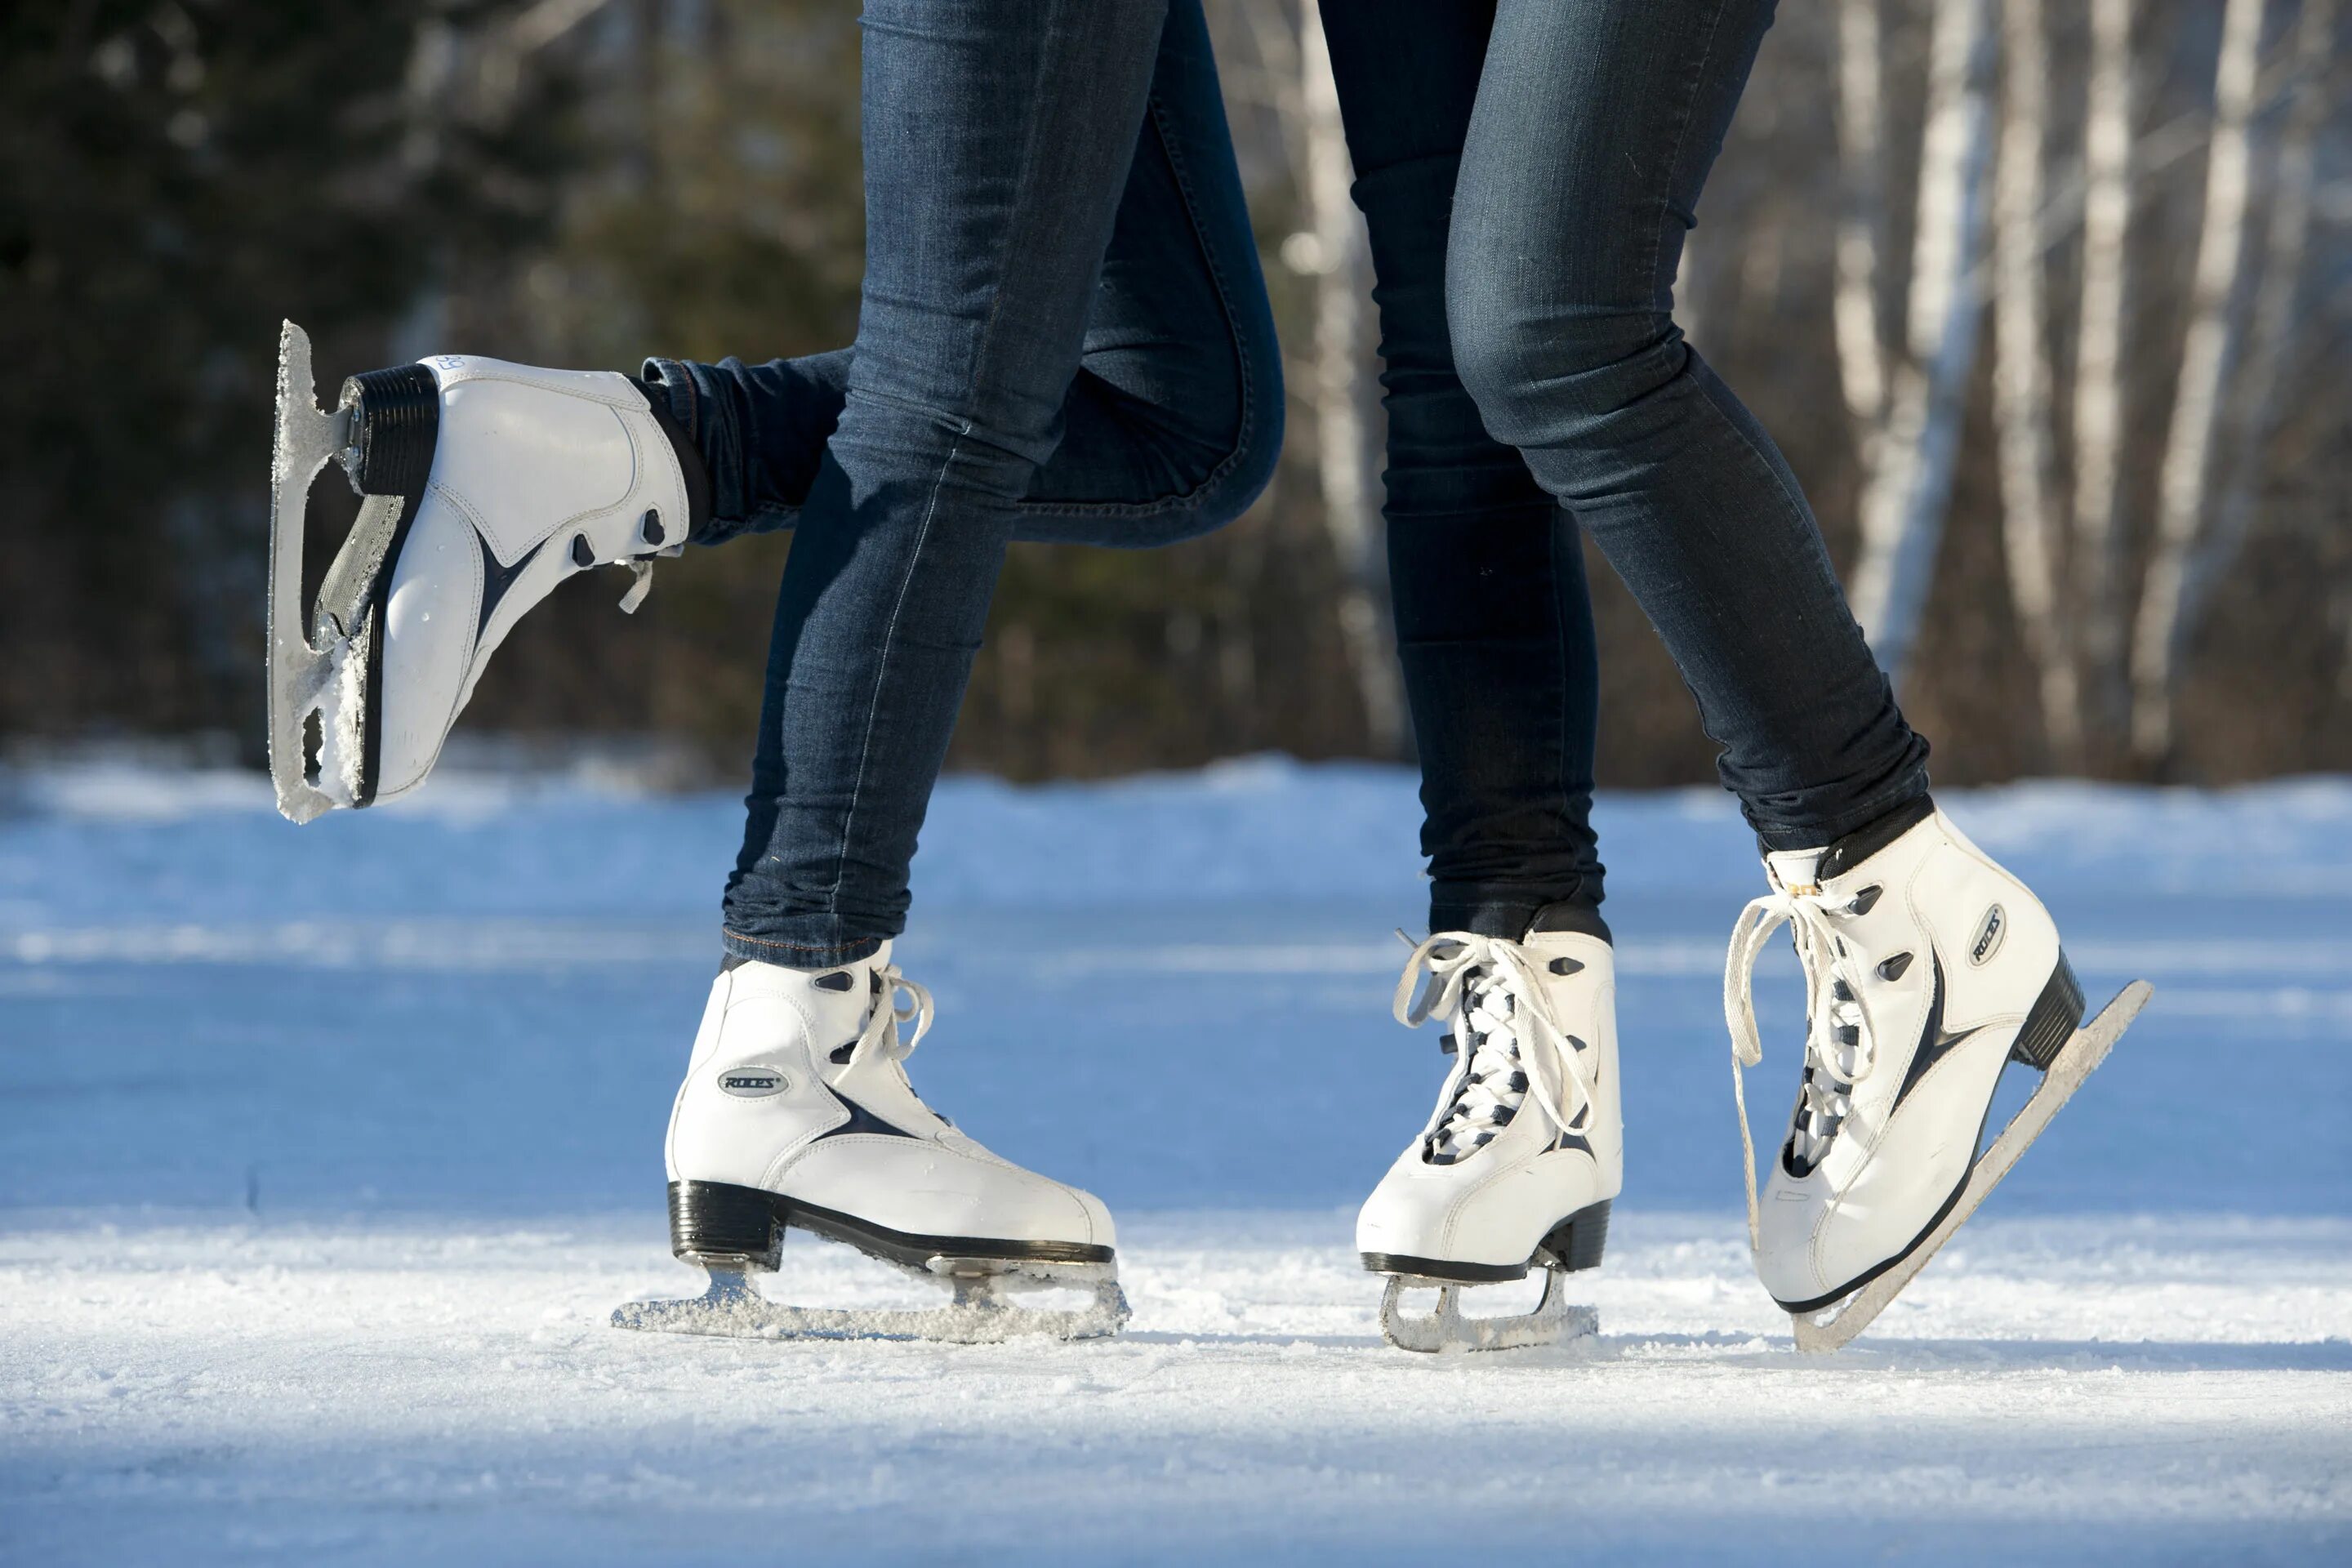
pixel 1229 474
pixel 1554 374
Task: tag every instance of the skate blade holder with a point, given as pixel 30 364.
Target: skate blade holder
pixel 316 665
pixel 979 1312
pixel 1832 1327
pixel 1447 1329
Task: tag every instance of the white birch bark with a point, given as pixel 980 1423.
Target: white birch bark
pixel 2021 373
pixel 2250 419
pixel 2098 357
pixel 1861 167
pixel 1908 487
pixel 1344 416
pixel 2184 481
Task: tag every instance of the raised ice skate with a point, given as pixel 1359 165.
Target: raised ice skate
pixel 485 485
pixel 1518 1162
pixel 796 1112
pixel 1927 969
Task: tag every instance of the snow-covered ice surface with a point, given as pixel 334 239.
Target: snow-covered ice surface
pixel 325 1152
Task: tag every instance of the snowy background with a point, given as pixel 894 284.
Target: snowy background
pixel 325 1152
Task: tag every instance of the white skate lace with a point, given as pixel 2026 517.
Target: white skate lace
pixel 1508 1045
pixel 1839 1049
pixel 880 1035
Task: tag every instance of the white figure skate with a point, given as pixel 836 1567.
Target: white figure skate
pixel 1927 969
pixel 1517 1166
pixel 796 1112
pixel 485 484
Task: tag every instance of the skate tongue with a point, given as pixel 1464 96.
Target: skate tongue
pixel 1492 1084
pixel 1794 867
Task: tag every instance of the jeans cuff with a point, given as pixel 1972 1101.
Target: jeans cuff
pixel 1513 915
pixel 1821 835
pixel 800 955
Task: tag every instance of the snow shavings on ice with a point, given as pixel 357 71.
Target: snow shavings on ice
pixel 325 1155
pixel 390 1393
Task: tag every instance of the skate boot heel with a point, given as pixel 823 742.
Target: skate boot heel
pixel 396 415
pixel 2056 1014
pixel 718 1222
pixel 1577 1240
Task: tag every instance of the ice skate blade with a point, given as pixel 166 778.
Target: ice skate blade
pixel 1447 1331
pixel 324 669
pixel 304 678
pixel 733 1307
pixel 1825 1331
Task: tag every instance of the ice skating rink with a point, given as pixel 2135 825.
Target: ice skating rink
pixel 324 1154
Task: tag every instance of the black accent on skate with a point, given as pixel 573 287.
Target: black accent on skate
pixel 719 1220
pixel 1574 915
pixel 860 1120
pixel 2056 1013
pixel 1934 1044
pixel 1574 1244
pixel 396 420
pixel 710 1220
pixel 2055 1017
pixel 498 579
pixel 399 414
pixel 1892 968
pixel 1871 838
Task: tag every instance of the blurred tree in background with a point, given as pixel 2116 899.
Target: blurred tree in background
pixel 585 181
pixel 173 179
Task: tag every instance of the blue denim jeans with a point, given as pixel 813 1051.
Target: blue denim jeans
pixel 1529 169
pixel 1063 336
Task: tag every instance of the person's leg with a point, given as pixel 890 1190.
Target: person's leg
pixel 1518 1165
pixel 1000 141
pixel 1594 130
pixel 1016 227
pixel 1494 624
pixel 1171 426
pixel 1930 969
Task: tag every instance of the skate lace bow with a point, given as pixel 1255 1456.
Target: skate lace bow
pixel 1837 1044
pixel 1506 1026
pixel 881 1031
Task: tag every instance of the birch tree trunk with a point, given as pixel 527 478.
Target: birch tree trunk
pixel 2293 179
pixel 1862 218
pixel 2185 479
pixel 1910 461
pixel 1346 416
pixel 2098 564
pixel 2021 373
